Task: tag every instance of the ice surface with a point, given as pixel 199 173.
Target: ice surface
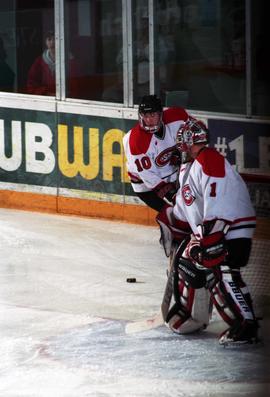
pixel 64 304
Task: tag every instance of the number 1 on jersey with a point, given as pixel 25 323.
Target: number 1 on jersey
pixel 213 189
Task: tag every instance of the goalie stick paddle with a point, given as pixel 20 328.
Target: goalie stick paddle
pixel 145 324
pixel 158 319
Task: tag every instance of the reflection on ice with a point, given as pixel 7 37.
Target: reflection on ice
pixel 104 347
pixel 61 277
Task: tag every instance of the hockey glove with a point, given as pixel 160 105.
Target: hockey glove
pixel 213 249
pixel 193 251
pixel 167 191
pixel 212 242
pixel 175 158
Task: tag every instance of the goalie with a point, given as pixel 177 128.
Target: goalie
pixel 214 203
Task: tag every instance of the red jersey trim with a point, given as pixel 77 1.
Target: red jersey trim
pixel 139 140
pixel 183 226
pixel 212 162
pixel 239 220
pixel 174 114
pixel 134 179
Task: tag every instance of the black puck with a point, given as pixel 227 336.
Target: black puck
pixel 131 280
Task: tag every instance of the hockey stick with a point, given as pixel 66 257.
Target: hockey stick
pixel 200 311
pixel 145 324
pixel 158 319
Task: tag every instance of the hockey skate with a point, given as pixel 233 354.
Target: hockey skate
pixel 240 334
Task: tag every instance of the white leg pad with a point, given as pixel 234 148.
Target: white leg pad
pixel 200 315
pixel 200 309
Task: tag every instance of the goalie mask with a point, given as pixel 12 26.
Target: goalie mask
pixel 150 113
pixel 192 132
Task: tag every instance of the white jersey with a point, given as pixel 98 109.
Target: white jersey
pixel 149 156
pixel 210 189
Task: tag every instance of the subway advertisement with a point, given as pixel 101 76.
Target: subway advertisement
pixel 73 152
pixel 82 156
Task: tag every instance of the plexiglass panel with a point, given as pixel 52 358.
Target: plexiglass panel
pixel 261 64
pixel 200 54
pixel 27 57
pixel 94 62
pixel 141 69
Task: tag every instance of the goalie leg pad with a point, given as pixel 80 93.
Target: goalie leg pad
pixel 166 238
pixel 234 305
pixel 181 310
pixel 244 289
pixel 228 297
pixel 202 307
pixel 190 313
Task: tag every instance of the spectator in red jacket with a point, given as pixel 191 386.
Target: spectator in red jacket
pixel 41 76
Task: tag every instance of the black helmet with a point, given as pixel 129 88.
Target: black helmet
pixel 150 104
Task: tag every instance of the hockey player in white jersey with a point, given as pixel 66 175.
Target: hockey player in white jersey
pixel 214 202
pixel 153 165
pixel 152 158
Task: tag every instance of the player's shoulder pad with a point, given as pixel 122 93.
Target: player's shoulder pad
pixel 139 140
pixel 212 162
pixel 174 114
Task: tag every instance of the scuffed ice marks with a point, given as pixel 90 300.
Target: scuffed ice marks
pixel 104 347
